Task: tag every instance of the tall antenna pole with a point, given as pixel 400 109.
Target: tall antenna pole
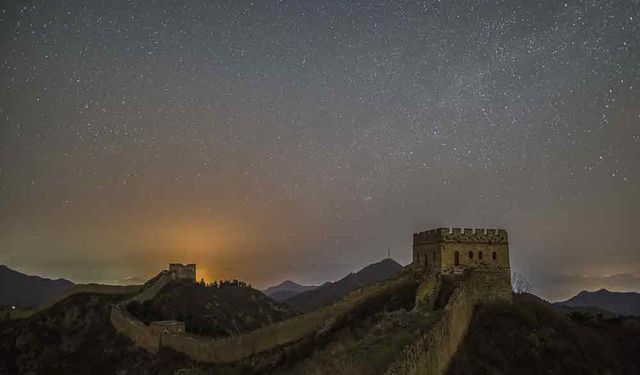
pixel 388 253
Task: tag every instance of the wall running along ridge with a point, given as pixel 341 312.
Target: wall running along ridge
pixel 431 353
pixel 230 349
pixel 125 323
pixel 140 333
pixel 78 289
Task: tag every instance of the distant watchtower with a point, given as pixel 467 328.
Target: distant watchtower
pixel 452 250
pixel 184 272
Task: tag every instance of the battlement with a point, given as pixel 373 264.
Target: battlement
pixel 467 235
pixel 181 271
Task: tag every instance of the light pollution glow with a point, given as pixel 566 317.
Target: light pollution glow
pixel 302 139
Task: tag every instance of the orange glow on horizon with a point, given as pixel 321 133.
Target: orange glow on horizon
pixel 203 273
pixel 193 242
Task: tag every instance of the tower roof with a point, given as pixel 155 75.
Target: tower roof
pixel 469 235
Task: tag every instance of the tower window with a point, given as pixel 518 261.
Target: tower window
pixel 494 255
pixel 470 254
pixel 480 255
pixel 457 258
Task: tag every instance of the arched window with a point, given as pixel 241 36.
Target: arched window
pixel 426 259
pixel 470 254
pixel 480 255
pixel 434 256
pixel 494 256
pixel 457 258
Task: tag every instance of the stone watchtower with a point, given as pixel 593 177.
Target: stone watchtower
pixel 454 250
pixel 184 272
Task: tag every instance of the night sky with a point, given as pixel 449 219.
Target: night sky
pixel 270 139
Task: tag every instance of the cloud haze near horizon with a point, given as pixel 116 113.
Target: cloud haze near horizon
pixel 302 140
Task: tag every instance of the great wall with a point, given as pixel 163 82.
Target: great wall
pixel 477 260
pixel 238 347
pixel 78 289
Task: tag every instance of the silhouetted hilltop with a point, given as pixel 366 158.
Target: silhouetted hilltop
pixel 219 309
pixel 18 289
pixel 531 337
pixel 528 336
pixel 287 289
pixel 623 303
pixel 75 336
pixel 331 292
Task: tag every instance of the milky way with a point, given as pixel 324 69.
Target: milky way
pixel 304 139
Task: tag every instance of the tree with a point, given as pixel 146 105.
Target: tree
pixel 520 284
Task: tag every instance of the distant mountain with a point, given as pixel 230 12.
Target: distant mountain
pixel 331 292
pixel 18 289
pixel 566 309
pixel 616 302
pixel 287 289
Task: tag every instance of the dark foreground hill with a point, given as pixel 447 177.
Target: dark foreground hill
pixel 219 310
pixel 616 302
pixel 286 290
pixel 531 337
pixel 18 289
pixel 75 337
pixel 331 292
pixel 526 337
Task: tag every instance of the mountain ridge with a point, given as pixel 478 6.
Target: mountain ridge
pixel 622 303
pixel 331 292
pixel 22 290
pixel 286 289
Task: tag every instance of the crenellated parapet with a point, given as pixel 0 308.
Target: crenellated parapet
pixel 466 235
pixel 186 272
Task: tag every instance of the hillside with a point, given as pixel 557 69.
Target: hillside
pixel 531 337
pixel 76 337
pixel 286 290
pixel 18 289
pixel 627 304
pixel 331 292
pixel 222 310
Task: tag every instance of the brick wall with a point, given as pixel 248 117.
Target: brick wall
pixel 432 352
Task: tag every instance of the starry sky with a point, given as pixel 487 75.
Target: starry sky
pixel 267 140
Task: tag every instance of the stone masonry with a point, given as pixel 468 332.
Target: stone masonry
pixel 454 250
